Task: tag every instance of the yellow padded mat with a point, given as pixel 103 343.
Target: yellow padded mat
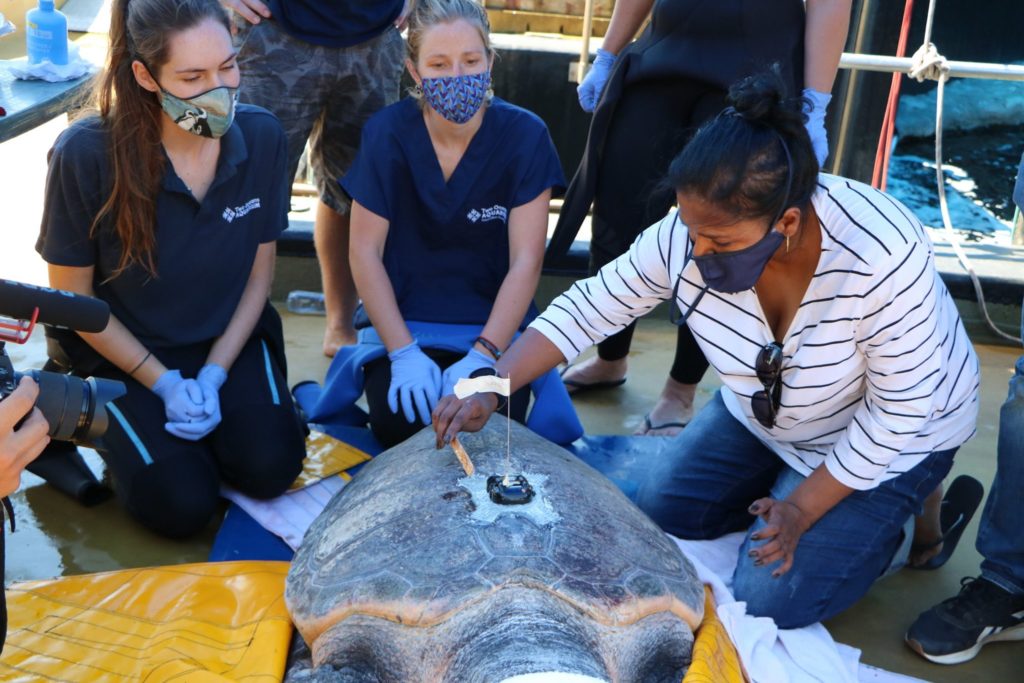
pixel 214 622
pixel 715 659
pixel 325 457
pixel 223 621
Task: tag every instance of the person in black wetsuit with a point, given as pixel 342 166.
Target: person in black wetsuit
pixel 167 204
pixel 648 97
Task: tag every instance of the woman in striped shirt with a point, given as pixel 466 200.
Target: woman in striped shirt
pixel 848 379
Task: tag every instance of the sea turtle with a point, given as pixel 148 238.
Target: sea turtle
pixel 412 573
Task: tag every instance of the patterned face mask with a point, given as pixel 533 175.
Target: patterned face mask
pixel 208 114
pixel 457 98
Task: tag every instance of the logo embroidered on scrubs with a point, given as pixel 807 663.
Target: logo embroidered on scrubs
pixel 493 213
pixel 239 211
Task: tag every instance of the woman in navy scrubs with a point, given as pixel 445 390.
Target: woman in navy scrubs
pixel 167 205
pixel 450 203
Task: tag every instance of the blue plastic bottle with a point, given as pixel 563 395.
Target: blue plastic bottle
pixel 46 36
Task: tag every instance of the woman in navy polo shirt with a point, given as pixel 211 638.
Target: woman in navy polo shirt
pixel 450 197
pixel 167 205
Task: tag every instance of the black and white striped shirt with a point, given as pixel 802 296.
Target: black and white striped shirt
pixel 878 371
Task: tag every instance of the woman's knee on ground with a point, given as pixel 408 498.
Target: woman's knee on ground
pixel 811 591
pixel 260 448
pixel 175 497
pixel 781 599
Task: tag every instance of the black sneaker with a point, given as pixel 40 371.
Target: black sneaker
pixel 955 630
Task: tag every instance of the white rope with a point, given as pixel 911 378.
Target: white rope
pixel 928 64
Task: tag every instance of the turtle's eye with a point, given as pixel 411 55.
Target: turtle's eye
pixel 662 650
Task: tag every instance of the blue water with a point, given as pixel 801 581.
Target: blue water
pixel 980 166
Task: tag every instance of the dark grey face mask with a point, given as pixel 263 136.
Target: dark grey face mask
pixel 730 272
pixel 735 271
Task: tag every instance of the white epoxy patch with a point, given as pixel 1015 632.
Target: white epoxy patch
pixel 538 510
pixel 553 677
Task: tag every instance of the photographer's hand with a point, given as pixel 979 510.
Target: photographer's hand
pixel 19 447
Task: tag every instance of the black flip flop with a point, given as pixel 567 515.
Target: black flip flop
pixel 648 427
pixel 579 388
pixel 959 503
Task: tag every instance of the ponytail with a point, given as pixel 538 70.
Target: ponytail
pixel 139 30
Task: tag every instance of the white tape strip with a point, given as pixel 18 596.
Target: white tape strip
pixel 488 384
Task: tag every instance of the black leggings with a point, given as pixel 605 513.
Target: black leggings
pixel 391 428
pixel 171 485
pixel 652 122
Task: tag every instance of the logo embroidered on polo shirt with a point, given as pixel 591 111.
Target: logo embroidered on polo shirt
pixel 239 211
pixel 493 213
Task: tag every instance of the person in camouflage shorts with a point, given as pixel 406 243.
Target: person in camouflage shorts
pixel 323 69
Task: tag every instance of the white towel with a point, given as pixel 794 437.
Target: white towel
pixel 290 514
pixel 770 654
pixel 48 71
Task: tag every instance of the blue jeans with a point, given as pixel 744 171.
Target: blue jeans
pixel 1001 532
pixel 701 488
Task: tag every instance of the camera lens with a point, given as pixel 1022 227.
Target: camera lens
pixel 75 409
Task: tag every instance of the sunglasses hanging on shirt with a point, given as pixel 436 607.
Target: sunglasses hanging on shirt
pixel 768 366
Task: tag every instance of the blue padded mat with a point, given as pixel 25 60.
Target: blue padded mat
pixel 240 537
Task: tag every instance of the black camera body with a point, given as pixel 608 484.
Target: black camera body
pixel 75 408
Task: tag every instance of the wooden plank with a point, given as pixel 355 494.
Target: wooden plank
pixel 514 21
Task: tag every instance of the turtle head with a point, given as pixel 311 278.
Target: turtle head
pixel 524 632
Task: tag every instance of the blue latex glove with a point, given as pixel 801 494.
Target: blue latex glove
pixel 416 381
pixel 193 431
pixel 462 367
pixel 211 378
pixel 589 91
pixel 815 107
pixel 183 398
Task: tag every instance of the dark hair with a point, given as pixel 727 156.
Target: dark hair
pixel 140 30
pixel 740 160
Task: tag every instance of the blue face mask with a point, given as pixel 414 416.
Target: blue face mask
pixel 457 98
pixel 735 271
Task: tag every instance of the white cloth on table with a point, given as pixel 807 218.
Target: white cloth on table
pixel 48 71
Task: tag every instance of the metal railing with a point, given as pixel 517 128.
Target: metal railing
pixel 885 63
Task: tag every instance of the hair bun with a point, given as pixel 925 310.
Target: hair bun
pixel 760 98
